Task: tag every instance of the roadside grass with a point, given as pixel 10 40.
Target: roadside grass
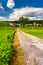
pixel 10 47
pixel 36 31
pixel 6 44
pixel 18 59
pixel 6 31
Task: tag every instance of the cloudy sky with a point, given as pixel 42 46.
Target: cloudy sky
pixel 12 10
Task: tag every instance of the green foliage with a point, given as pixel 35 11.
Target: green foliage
pixel 6 46
pixel 23 21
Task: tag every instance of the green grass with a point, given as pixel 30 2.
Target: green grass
pixel 36 31
pixel 6 44
pixel 5 31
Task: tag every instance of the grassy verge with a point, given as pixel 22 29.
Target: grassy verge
pixel 18 59
pixel 36 31
pixel 6 46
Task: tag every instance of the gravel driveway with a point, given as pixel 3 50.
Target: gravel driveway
pixel 33 48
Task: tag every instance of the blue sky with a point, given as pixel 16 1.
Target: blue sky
pixel 31 3
pixel 14 9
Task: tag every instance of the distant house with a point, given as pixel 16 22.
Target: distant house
pixel 37 24
pixel 11 24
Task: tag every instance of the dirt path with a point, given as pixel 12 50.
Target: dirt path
pixel 33 48
pixel 28 49
pixel 18 57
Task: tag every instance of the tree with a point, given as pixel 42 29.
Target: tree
pixel 23 21
pixel 26 20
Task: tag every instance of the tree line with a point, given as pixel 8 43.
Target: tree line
pixel 24 21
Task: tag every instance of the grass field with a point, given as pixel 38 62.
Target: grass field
pixel 6 44
pixel 36 31
pixel 6 31
pixel 6 40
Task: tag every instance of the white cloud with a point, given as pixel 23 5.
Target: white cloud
pixel 10 4
pixel 29 12
pixel 34 18
pixel 1 8
pixel 2 18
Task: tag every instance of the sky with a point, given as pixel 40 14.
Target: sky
pixel 11 10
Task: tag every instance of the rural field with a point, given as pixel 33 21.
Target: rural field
pixel 21 45
pixel 6 46
pixel 36 31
